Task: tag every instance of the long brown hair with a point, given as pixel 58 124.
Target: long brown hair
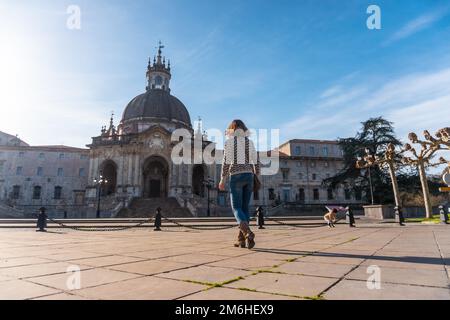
pixel 237 124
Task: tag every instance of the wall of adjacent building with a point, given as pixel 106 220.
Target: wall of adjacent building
pixel 47 167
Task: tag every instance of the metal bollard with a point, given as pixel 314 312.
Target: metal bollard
pixel 42 220
pixel 350 218
pixel 260 217
pixel 443 214
pixel 158 219
pixel 399 215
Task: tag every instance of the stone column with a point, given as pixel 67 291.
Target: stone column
pixel 137 171
pixel 130 169
pixel 91 170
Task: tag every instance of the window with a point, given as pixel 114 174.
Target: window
pixel 81 172
pixel 299 163
pixel 19 171
pixel 347 194
pixel 21 154
pixel 271 194
pixel 39 171
pixel 301 194
pixel 41 155
pixel 330 194
pixel 16 192
pixel 37 192
pixel 60 172
pixel 61 156
pixel 58 192
pixel 314 176
pixel 325 151
pixel 311 151
pixel 316 194
pixel 358 194
pixel 285 173
pixel 326 164
pixel 298 150
pixel 300 175
pixel 313 164
pixel 83 157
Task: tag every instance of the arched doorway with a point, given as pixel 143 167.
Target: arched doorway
pixel 156 174
pixel 198 177
pixel 109 172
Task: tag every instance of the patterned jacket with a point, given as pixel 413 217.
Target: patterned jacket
pixel 239 156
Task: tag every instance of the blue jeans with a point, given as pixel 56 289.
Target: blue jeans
pixel 241 189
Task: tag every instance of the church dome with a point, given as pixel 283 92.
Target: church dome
pixel 157 104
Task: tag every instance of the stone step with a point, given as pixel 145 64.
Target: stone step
pixel 141 207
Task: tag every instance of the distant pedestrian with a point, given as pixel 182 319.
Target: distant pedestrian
pixel 42 220
pixel 330 217
pixel 240 165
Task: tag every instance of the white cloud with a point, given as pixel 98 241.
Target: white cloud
pixel 418 24
pixel 414 102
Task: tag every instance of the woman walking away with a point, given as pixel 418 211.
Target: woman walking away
pixel 240 164
pixel 330 217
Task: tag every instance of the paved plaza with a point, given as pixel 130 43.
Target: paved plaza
pixel 287 263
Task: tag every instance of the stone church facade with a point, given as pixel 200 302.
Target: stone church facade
pixel 135 158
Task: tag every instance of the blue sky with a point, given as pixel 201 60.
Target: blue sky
pixel 310 68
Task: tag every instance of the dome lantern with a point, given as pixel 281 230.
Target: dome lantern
pixel 158 75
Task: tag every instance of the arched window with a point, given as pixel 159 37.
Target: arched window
pixel 58 192
pixel 37 192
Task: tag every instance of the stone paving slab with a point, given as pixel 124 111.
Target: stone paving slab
pixel 424 277
pixel 150 267
pixel 20 290
pixel 357 290
pixel 105 261
pixel 36 270
pixel 206 274
pixel 88 278
pixel 142 288
pixel 234 294
pixel 286 284
pixel 61 296
pixel 287 263
pixel 315 269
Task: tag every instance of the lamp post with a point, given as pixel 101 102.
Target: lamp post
pixel 99 183
pixel 208 183
pixel 370 179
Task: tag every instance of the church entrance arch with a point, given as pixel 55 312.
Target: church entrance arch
pixel 108 170
pixel 198 178
pixel 156 177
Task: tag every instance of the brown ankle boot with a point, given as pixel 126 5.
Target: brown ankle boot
pixel 240 241
pixel 249 235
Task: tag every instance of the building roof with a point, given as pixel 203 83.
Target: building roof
pixel 157 104
pixel 310 141
pixel 11 140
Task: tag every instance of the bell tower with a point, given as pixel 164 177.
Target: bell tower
pixel 158 73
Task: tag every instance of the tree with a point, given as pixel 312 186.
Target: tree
pixel 374 136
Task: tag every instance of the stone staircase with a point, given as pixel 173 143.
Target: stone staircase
pixel 146 207
pixel 7 211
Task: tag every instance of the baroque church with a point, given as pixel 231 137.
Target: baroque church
pixel 128 170
pixel 135 158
